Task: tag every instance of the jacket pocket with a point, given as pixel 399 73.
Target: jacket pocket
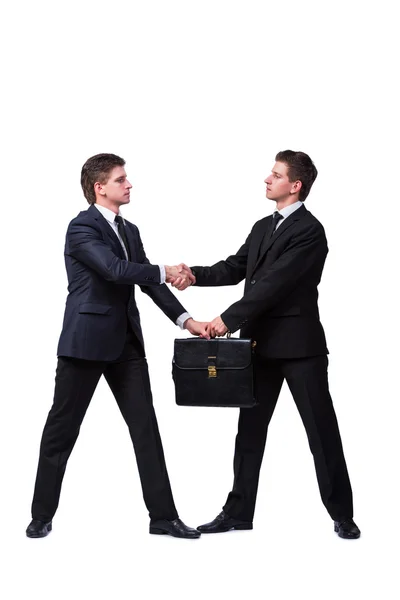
pixel 94 309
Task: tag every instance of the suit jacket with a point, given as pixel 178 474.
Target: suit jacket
pixel 279 308
pixel 101 286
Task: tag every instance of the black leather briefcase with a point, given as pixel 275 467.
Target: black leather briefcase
pixel 216 372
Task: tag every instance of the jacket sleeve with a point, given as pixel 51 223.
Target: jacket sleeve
pixel 85 243
pixel 161 295
pixel 226 272
pixel 305 253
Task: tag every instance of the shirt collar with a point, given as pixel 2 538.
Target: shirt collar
pixel 288 210
pixel 108 214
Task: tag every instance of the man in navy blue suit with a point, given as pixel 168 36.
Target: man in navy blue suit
pixel 101 335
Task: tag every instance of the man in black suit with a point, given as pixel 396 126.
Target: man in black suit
pixel 101 335
pixel 282 262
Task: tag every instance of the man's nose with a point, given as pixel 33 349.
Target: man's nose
pixel 267 180
pixel 128 184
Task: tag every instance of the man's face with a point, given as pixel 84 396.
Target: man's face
pixel 117 189
pixel 278 185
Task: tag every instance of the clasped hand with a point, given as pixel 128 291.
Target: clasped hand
pixel 214 328
pixel 180 276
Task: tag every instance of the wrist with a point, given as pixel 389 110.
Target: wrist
pixel 187 322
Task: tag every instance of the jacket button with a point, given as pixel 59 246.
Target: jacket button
pixel 252 281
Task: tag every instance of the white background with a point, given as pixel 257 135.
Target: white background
pixel 198 97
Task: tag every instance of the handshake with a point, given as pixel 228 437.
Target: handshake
pixel 181 277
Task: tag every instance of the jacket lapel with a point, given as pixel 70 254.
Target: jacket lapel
pixel 108 230
pixel 131 243
pixel 257 239
pixel 287 223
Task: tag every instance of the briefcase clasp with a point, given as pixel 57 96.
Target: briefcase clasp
pixel 212 371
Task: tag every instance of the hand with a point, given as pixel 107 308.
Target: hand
pixel 171 273
pixel 174 273
pixel 197 328
pixel 216 328
pixel 180 282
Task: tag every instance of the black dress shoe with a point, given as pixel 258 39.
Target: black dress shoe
pixel 176 528
pixel 347 529
pixel 38 529
pixel 224 522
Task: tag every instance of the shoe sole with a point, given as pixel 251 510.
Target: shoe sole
pixel 243 527
pixel 157 531
pixel 41 535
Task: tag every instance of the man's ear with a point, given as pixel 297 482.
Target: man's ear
pixel 296 186
pixel 98 189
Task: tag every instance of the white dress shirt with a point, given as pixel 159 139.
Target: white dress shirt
pixel 288 210
pixel 109 216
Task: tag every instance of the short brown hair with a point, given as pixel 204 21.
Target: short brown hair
pixel 300 167
pixel 98 168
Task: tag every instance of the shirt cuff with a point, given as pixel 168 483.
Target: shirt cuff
pixel 162 274
pixel 181 320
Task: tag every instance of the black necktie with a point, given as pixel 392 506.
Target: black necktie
pixel 121 230
pixel 276 217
